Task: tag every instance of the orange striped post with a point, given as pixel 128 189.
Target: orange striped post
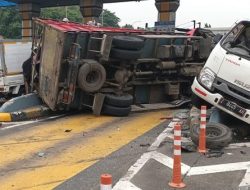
pixel 176 178
pixel 106 182
pixel 202 136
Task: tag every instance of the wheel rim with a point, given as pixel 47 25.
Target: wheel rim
pixel 92 77
pixel 213 132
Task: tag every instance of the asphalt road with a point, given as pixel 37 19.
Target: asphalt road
pixel 45 153
pixel 71 152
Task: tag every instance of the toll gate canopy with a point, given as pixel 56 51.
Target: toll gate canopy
pixel 6 3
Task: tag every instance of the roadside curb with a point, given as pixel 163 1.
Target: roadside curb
pixel 26 114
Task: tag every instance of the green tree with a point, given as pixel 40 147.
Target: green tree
pixel 207 25
pixel 10 23
pixel 72 12
pixel 128 26
pixel 109 18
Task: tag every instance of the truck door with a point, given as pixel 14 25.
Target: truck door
pixel 235 67
pixel 235 70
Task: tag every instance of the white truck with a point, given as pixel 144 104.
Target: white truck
pixel 224 81
pixel 12 55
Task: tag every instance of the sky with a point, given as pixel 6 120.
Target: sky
pixel 217 13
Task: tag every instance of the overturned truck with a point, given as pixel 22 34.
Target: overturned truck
pixel 77 66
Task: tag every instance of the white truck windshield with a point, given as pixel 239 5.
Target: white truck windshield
pixel 238 40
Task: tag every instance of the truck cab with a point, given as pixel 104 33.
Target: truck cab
pixel 12 55
pixel 224 80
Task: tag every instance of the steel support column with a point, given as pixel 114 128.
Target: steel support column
pixel 167 11
pixel 27 11
pixel 91 9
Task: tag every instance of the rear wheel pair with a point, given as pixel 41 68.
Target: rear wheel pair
pixel 117 105
pixel 126 47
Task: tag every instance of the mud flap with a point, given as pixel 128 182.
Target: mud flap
pixel 98 103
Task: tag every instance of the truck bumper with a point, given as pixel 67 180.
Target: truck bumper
pixel 213 98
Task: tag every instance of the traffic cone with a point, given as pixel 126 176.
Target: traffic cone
pixel 202 136
pixel 176 178
pixel 106 182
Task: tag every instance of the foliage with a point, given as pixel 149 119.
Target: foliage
pixel 10 23
pixel 72 13
pixel 128 26
pixel 207 25
pixel 109 18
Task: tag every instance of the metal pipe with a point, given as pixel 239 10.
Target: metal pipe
pixel 144 73
pixel 188 64
pixel 166 65
pixel 112 84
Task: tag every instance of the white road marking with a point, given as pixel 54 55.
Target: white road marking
pixel 29 122
pixel 19 124
pixel 125 184
pixel 167 161
pixel 202 170
pixel 245 183
pixel 162 136
pixel 239 145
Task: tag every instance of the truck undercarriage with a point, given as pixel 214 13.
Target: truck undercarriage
pixel 108 69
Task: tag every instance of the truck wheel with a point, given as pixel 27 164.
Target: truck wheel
pixel 198 102
pixel 125 54
pixel 217 135
pixel 91 77
pixel 116 111
pixel 128 42
pixel 119 101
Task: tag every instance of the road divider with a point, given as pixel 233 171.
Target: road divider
pixel 106 182
pixel 30 113
pixel 176 178
pixel 202 134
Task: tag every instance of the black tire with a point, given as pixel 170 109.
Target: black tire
pixel 125 100
pixel 91 77
pixel 218 135
pixel 198 102
pixel 125 54
pixel 128 42
pixel 116 111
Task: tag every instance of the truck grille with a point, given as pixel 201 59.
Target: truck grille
pixel 232 92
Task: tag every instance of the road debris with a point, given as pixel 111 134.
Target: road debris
pixel 214 153
pixel 68 130
pixel 243 152
pixel 145 145
pixel 188 147
pixel 41 154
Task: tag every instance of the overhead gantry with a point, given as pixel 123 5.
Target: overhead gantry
pixel 91 9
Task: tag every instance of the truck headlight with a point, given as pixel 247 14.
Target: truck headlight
pixel 206 78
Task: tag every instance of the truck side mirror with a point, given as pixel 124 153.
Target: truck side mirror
pixel 217 38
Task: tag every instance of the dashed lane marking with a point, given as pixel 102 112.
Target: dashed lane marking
pixel 19 124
